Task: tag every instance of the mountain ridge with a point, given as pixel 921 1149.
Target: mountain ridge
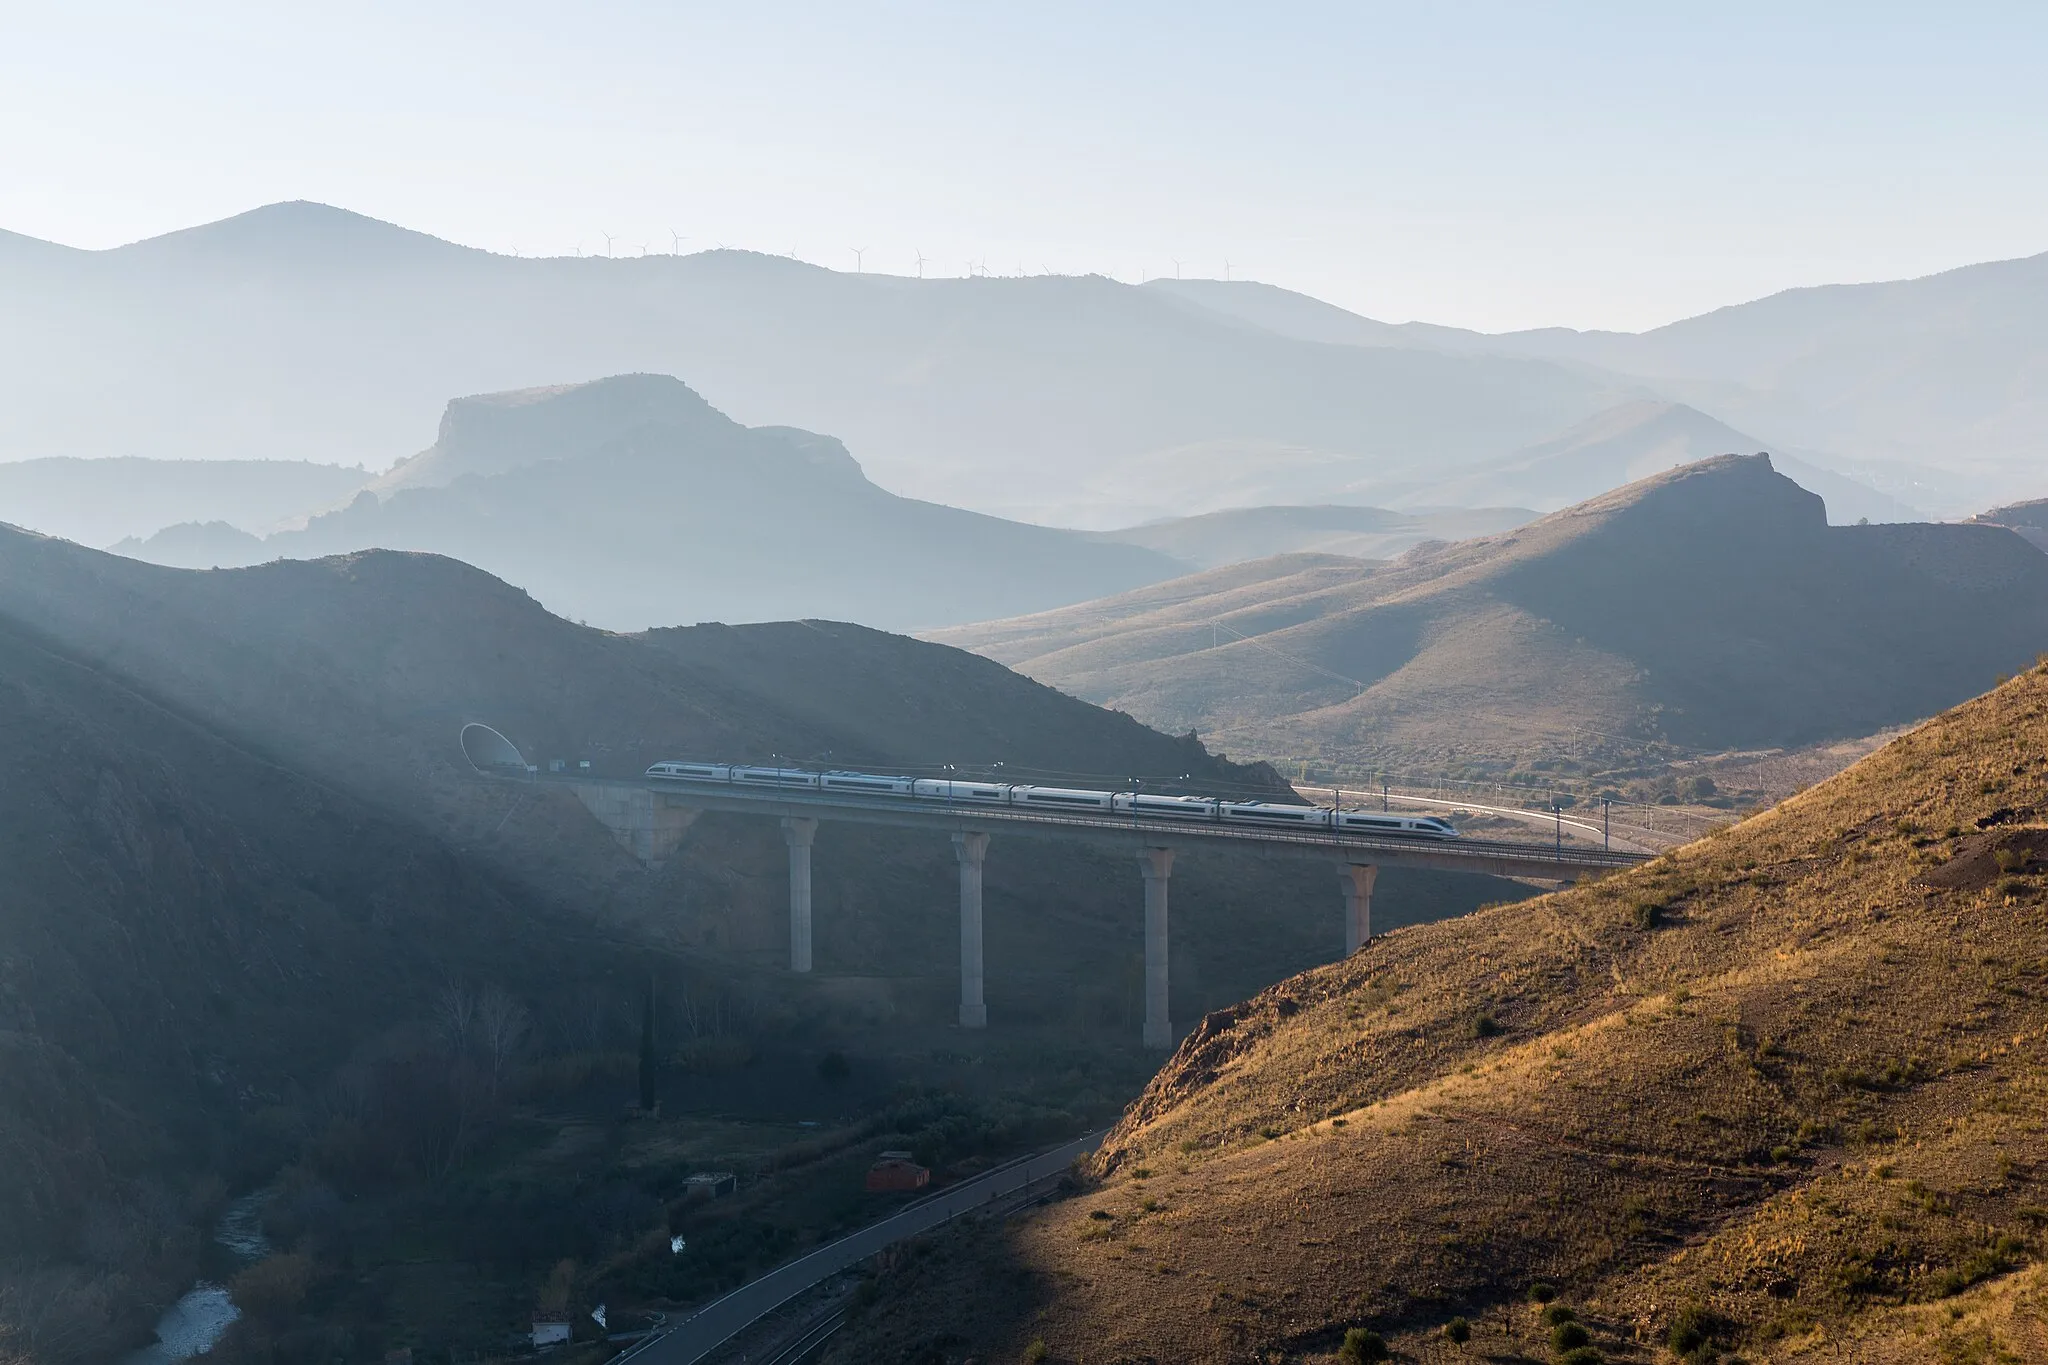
pixel 1706 607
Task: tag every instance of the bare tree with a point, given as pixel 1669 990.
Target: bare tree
pixel 501 1022
pixel 456 1015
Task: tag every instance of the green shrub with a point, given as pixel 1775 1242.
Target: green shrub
pixel 1580 1355
pixel 1689 1330
pixel 1361 1346
pixel 1540 1292
pixel 1557 1313
pixel 1037 1352
pixel 1458 1330
pixel 1485 1026
pixel 1568 1336
pixel 1648 915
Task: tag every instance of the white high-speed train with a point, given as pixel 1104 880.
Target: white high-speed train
pixel 1140 805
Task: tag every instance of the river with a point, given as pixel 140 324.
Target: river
pixel 192 1325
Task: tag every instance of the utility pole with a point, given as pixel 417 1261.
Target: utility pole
pixel 1557 812
pixel 1603 822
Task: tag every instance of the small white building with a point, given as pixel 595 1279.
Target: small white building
pixel 550 1332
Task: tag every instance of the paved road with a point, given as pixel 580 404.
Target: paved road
pixel 719 1321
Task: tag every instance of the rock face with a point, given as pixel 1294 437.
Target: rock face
pixel 495 433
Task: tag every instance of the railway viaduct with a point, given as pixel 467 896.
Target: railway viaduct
pixel 649 817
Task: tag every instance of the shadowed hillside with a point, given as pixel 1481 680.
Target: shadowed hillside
pixel 631 502
pixel 1708 608
pixel 193 938
pixel 1772 1095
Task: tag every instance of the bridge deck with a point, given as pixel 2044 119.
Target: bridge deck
pixel 1505 858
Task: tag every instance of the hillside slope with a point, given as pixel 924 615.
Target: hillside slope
pixel 631 502
pixel 1775 1094
pixel 1709 607
pixel 1243 534
pixel 304 331
pixel 2029 519
pixel 193 938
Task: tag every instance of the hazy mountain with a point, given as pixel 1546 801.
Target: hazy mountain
pixel 306 331
pixel 196 545
pixel 1708 607
pixel 1737 1103
pixel 1219 538
pixel 1633 441
pixel 2030 519
pixel 99 501
pixel 631 502
pixel 1921 387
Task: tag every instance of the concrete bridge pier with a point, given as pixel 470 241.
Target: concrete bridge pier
pixel 971 849
pixel 1356 880
pixel 1157 865
pixel 798 831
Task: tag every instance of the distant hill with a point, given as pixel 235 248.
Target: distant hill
pixel 1914 385
pixel 1219 538
pixel 195 545
pixel 1756 1100
pixel 305 331
pixel 1707 607
pixel 631 502
pixel 1633 441
pixel 98 502
pixel 2030 519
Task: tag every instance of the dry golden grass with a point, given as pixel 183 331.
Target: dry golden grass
pixel 1786 1080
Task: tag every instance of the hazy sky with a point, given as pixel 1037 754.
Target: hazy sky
pixel 1492 165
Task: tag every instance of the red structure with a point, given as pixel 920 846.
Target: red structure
pixel 895 1171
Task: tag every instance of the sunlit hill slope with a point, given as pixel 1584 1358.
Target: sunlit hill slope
pixel 1775 1096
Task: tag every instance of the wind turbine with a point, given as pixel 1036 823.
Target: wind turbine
pixel 1226 269
pixel 1176 265
pixel 675 242
pixel 607 241
pixel 920 265
pixel 643 248
pixel 858 253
